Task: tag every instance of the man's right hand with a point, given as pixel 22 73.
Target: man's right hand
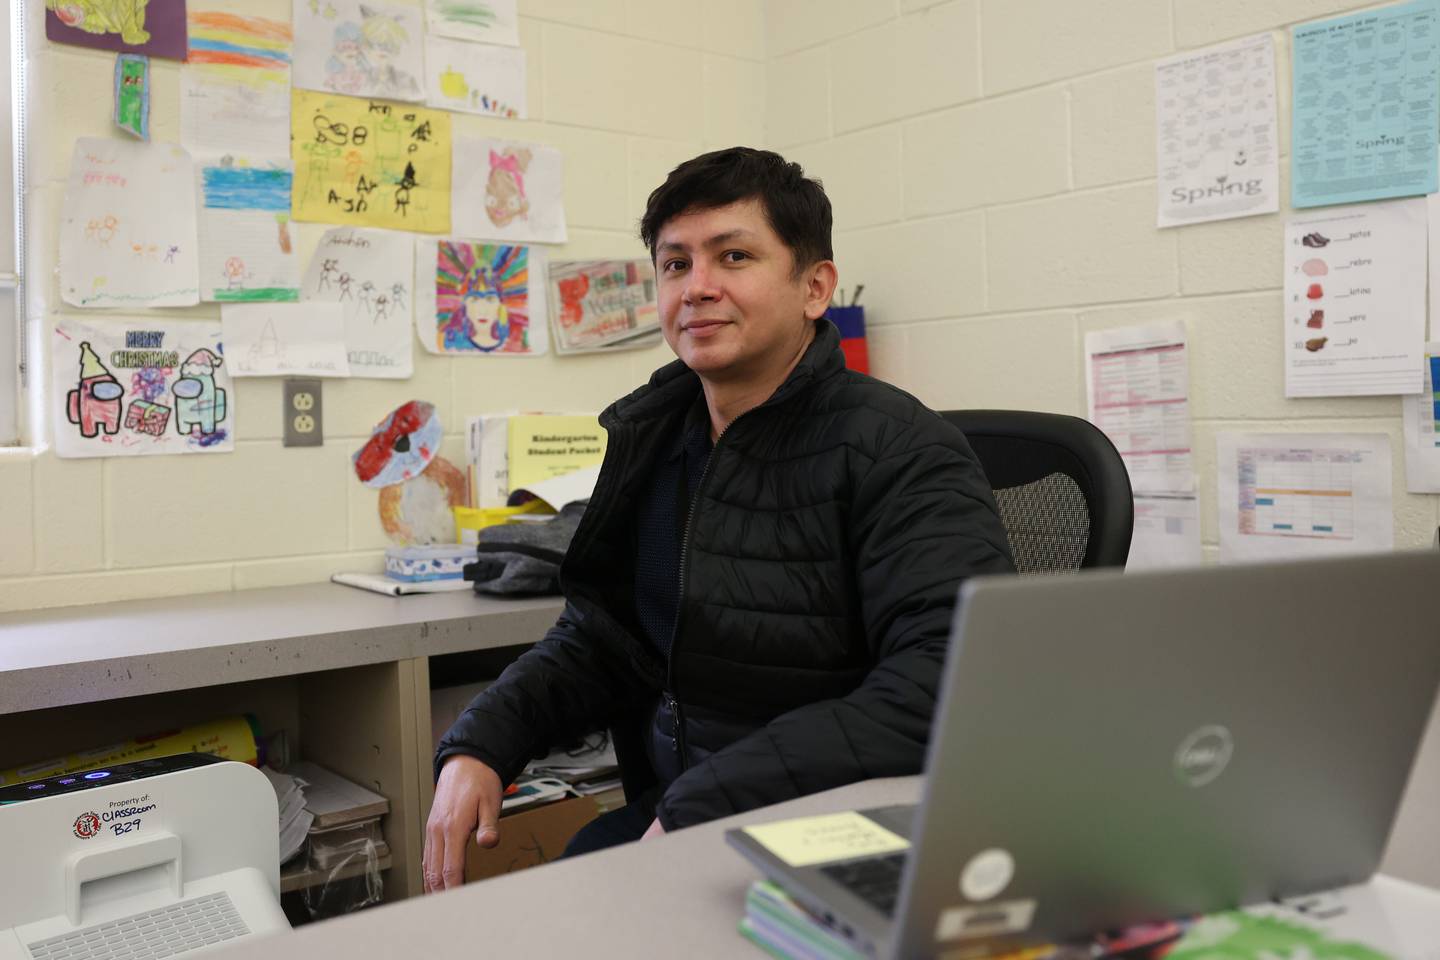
pixel 467 799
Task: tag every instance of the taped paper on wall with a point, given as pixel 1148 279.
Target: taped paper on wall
pixel 1421 414
pixel 1290 495
pixel 480 299
pixel 370 274
pixel 367 163
pixel 475 78
pixel 361 49
pixel 508 191
pixel 1138 388
pixel 285 339
pixel 1355 300
pixel 1215 133
pixel 127 236
pixel 131 387
pixel 484 21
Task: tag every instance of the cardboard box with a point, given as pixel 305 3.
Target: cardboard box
pixel 530 837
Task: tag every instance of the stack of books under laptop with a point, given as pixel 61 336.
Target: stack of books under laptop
pixel 783 928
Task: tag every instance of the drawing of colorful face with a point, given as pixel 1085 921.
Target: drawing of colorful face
pixel 400 447
pixel 95 404
pixel 505 198
pixel 485 315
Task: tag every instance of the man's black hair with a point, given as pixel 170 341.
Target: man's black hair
pixel 795 205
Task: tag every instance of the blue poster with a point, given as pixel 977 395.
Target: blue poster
pixel 1366 106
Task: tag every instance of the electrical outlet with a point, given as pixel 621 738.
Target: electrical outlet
pixel 302 414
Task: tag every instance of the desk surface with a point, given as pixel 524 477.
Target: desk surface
pixel 51 658
pixel 678 895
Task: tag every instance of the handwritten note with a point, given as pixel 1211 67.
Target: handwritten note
pixel 284 339
pixel 370 163
pixel 127 235
pixel 837 836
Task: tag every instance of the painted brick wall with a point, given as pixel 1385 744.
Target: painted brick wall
pixel 626 88
pixel 992 166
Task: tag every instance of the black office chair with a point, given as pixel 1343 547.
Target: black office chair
pixel 1063 491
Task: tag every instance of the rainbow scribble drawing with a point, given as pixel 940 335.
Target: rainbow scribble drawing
pixel 482 298
pixel 228 40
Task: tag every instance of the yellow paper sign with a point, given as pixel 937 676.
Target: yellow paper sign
pixel 370 163
pixel 836 836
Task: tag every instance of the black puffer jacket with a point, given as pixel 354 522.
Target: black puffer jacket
pixel 828 537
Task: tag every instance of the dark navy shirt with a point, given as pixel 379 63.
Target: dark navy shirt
pixel 662 518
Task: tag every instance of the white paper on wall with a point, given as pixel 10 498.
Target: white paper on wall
pixel 1166 532
pixel 1290 495
pixel 361 49
pixel 486 21
pixel 1421 416
pixel 285 339
pixel 1138 393
pixel 125 387
pixel 480 299
pixel 1355 300
pixel 475 78
pixel 127 235
pixel 247 250
pixel 370 274
pixel 242 114
pixel 1215 133
pixel 507 191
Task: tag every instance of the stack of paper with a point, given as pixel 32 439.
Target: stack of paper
pixel 589 769
pixel 295 819
pixel 333 800
pixel 783 928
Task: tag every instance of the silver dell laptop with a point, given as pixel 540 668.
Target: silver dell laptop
pixel 1117 748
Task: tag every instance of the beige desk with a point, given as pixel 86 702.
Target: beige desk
pixel 343 672
pixel 681 895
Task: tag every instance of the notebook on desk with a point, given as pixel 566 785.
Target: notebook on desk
pixel 1114 748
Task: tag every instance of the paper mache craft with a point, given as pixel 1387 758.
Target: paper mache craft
pixel 417 487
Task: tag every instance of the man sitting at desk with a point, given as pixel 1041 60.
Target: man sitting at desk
pixel 759 596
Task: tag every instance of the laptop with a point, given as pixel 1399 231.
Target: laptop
pixel 1112 749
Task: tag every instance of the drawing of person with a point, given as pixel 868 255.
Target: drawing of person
pixel 505 198
pixel 402 192
pixel 345 281
pixel 397 295
pixel 383 39
pixel 328 269
pixel 382 306
pixel 234 273
pixel 482 322
pixel 170 253
pixel 367 291
pixel 346 71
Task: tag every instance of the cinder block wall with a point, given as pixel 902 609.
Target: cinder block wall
pixel 992 166
pixel 626 88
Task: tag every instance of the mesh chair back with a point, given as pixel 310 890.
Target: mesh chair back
pixel 1063 491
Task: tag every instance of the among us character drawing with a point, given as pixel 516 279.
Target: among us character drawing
pixel 95 404
pixel 505 198
pixel 199 404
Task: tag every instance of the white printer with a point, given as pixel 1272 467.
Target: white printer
pixel 157 858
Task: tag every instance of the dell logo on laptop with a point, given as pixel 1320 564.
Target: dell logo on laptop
pixel 1204 755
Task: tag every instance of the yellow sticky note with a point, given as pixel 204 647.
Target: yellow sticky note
pixel 835 836
pixel 369 163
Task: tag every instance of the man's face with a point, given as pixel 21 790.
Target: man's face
pixel 730 305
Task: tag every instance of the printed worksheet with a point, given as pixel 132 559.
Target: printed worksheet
pixel 1290 495
pixel 1355 300
pixel 1138 390
pixel 1421 415
pixel 1167 531
pixel 1366 106
pixel 1215 133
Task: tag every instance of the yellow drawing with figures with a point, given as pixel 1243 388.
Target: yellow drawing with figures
pixel 370 163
